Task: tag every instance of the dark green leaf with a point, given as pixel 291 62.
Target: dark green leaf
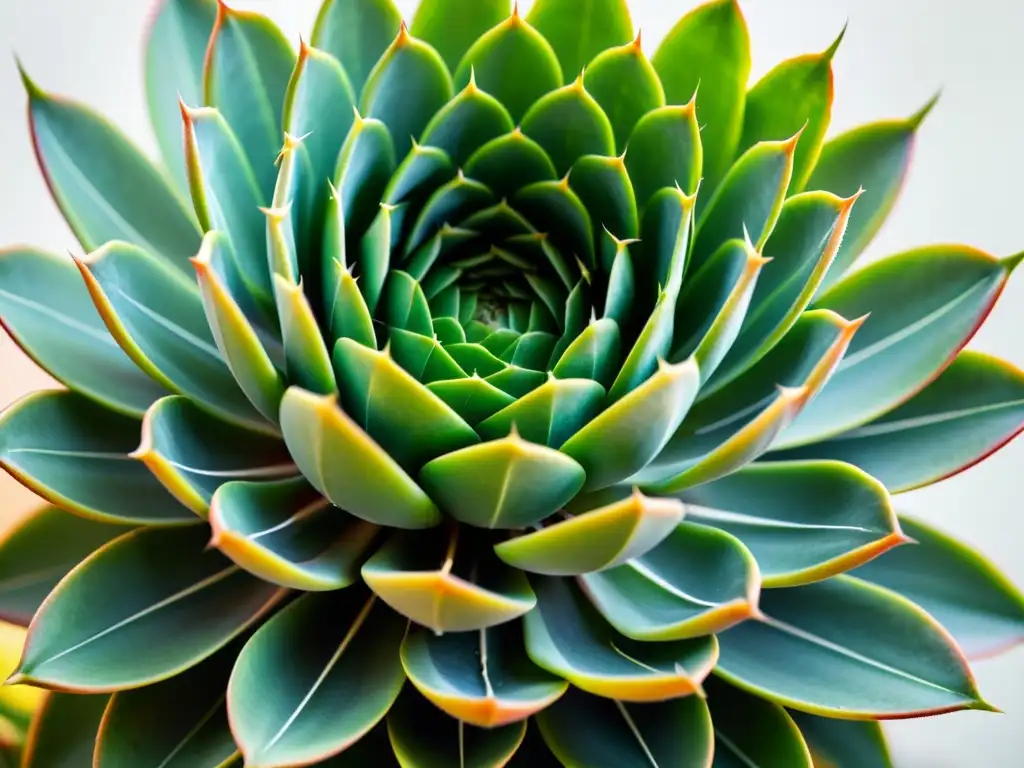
pixel 356 33
pixel 844 743
pixel 509 163
pixel 626 86
pixel 569 123
pixel 365 165
pixel 315 678
pixel 604 188
pixel 550 414
pixel 753 733
pixel 466 123
pixel 78 455
pixel 665 150
pixel 131 635
pixel 598 733
pixel 64 731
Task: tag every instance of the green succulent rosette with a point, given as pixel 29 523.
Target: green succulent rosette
pixel 485 393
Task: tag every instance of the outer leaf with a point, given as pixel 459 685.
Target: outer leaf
pixel 579 30
pixel 747 204
pixel 844 743
pixel 595 732
pixel 157 317
pixel 444 586
pixel 567 636
pixel 248 66
pixel 129 638
pixel 38 551
pixel 970 411
pixel 874 158
pixel 753 732
pixel 696 582
pixel 846 649
pixel 569 123
pixel 180 32
pixel 775 510
pixel 406 88
pixel 77 454
pixel 315 678
pixel 47 310
pixel 64 731
pixel 453 26
pixel 965 592
pixel 483 678
pixel 640 423
pixel 709 48
pixel 423 737
pixel 104 186
pixel 179 723
pixel 626 86
pixel 795 96
pixel 348 467
pixel 594 538
pixel 356 33
pixel 512 44
pixel 286 533
pixel 924 306
pixel 193 453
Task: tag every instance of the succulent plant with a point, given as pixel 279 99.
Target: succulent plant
pixel 502 398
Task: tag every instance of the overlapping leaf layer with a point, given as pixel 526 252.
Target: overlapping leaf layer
pixel 501 398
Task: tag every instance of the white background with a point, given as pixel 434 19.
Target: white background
pixel 965 186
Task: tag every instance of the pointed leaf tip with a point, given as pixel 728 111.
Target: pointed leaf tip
pixel 830 52
pixel 16 678
pixel 918 117
pixel 1011 262
pixel 31 86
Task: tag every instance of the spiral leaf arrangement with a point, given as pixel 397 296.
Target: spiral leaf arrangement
pixel 504 397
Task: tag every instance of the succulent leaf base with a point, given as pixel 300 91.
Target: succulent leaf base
pixel 483 392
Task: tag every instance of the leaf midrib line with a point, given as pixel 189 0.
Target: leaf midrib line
pixel 172 327
pixel 196 729
pixel 919 422
pixel 67 320
pixel 177 596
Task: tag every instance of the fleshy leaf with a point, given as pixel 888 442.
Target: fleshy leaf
pixel 696 582
pixel 157 317
pixel 411 423
pixel 568 637
pixel 708 54
pixel 184 720
pixel 193 453
pixel 924 306
pixel 248 66
pixel 365 164
pixel 753 732
pixel 356 34
pixel 844 743
pixel 775 510
pixel 315 678
pixel 626 86
pixel 794 96
pixel 579 30
pixel 406 88
pixel 308 361
pixel 466 123
pixel 180 31
pixel 509 163
pixel 569 123
pixel 587 730
pixel 594 537
pixel 348 467
pixel 665 150
pixel 640 424
pixel 47 310
pixel 844 648
pixel 966 593
pixel 64 731
pixel 77 455
pixel 604 187
pixel 38 552
pixel 971 410
pixel 505 483
pixel 444 586
pixel 424 737
pixel 453 26
pixel 483 678
pixel 286 533
pixel 550 414
pixel 104 186
pixel 555 209
pixel 874 158
pixel 130 638
pixel 473 398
